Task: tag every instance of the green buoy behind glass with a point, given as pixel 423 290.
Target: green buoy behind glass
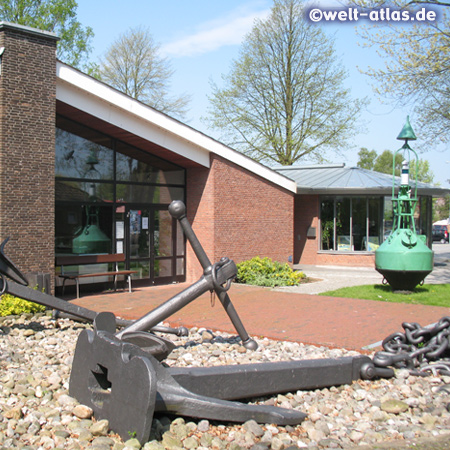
pixel 91 239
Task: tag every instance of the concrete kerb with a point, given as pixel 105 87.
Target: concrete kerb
pixel 334 277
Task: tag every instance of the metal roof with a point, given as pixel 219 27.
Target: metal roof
pixel 339 179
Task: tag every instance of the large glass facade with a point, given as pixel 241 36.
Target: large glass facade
pixel 112 198
pixel 362 223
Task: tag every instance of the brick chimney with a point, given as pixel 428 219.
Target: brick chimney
pixel 27 149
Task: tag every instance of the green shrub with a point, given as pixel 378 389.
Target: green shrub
pixel 265 272
pixel 14 306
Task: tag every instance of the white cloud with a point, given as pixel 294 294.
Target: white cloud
pixel 215 34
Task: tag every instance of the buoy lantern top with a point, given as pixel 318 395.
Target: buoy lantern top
pixel 407 132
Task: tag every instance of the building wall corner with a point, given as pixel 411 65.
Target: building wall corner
pixel 27 149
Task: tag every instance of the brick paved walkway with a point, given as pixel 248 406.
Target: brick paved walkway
pixel 310 319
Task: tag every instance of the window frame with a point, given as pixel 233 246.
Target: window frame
pixel 422 221
pixel 348 247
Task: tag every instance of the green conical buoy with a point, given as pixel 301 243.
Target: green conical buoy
pixel 407 132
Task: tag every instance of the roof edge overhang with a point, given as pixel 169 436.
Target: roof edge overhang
pixel 106 103
pixel 434 191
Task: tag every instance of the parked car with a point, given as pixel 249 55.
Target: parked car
pixel 440 233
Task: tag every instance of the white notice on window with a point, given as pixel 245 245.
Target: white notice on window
pixel 119 247
pixel 120 234
pixel 145 223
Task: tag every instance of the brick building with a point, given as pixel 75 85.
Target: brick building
pixel 78 158
pixel 343 214
pixel 87 169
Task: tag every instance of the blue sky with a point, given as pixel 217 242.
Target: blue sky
pixel 202 37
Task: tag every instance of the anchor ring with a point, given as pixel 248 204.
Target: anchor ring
pixel 216 284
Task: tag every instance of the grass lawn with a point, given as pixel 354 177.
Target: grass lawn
pixel 428 294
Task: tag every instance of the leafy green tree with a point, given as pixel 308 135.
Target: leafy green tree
pixel 283 99
pixel 383 163
pixel 424 172
pixel 57 16
pixel 416 64
pixel 133 65
pixel 441 208
pixel 366 158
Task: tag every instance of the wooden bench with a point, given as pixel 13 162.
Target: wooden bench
pixel 70 261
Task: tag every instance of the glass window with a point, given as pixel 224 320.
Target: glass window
pixel 359 223
pixel 343 235
pixel 112 197
pixel 351 223
pixel 180 266
pixel 163 234
pixel 388 216
pixel 374 239
pixel 140 193
pixel 83 229
pixel 327 223
pixel 138 166
pixel 77 157
pixel 142 268
pixel 180 240
pixel 83 191
pixel 139 233
pixel 163 268
pixel 422 215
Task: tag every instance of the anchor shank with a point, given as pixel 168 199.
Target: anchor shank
pixel 254 380
pixel 48 300
pixel 195 243
pixel 169 307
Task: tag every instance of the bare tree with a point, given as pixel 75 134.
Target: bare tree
pixel 133 65
pixel 416 63
pixel 284 98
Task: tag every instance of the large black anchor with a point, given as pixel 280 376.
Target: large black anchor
pixel 122 380
pixel 125 384
pixel 121 376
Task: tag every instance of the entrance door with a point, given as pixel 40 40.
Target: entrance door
pixel 164 247
pixel 148 237
pixel 139 243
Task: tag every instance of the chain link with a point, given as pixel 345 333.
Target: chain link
pixel 421 350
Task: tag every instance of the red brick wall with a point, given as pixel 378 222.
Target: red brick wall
pixel 252 216
pixel 200 212
pixel 306 250
pixel 346 259
pixel 27 148
pixel 238 214
pixel 306 216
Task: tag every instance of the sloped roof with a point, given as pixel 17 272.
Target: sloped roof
pixel 339 179
pixel 101 101
pixel 106 104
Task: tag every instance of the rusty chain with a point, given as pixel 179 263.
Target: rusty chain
pixel 421 350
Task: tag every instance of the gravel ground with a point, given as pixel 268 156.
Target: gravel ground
pixel 36 411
